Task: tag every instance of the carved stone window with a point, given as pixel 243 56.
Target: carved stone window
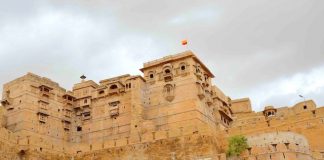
pixel 183 67
pixel 151 75
pixel 42 118
pixel 45 90
pixel 182 70
pixel 206 77
pixel 86 115
pixel 167 74
pixel 198 69
pixel 168 92
pixel 114 109
pixel 113 89
pixel 67 113
pixel 198 73
pixel 66 125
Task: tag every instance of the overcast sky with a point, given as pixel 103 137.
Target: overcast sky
pixel 270 51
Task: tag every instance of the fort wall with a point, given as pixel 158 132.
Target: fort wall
pixel 172 112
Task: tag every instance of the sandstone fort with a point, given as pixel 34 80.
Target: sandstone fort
pixel 172 112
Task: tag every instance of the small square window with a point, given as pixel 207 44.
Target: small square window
pixel 79 128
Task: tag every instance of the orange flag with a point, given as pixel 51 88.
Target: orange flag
pixel 184 42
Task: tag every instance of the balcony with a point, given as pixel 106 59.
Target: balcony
pixel 86 116
pixel 42 110
pixel 114 111
pixel 42 118
pixel 199 76
pixel 67 114
pixel 201 93
pixel 43 100
pixel 45 90
pixel 121 90
pixel 113 91
pixel 168 77
pixel 76 107
pixel 66 119
pixel 68 102
pixel 82 104
pixel 209 101
pixel 78 112
pixel 66 125
pixel 225 117
pixel 45 93
pixel 224 110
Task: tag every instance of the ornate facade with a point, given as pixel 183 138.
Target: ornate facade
pixel 172 112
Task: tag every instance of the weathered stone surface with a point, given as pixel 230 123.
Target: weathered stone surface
pixel 172 112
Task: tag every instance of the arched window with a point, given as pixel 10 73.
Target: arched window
pixel 151 74
pixel 183 67
pixel 167 74
pixel 168 88
pixel 168 92
pixel 113 86
pixel 101 92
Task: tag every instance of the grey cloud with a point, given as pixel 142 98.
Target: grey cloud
pixel 247 44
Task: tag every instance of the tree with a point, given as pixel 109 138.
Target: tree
pixel 236 145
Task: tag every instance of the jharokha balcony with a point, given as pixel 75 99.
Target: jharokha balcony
pixel 42 110
pixel 45 90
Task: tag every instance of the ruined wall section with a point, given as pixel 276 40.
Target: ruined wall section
pixel 277 145
pixel 308 122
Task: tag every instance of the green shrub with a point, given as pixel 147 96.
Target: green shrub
pixel 236 145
